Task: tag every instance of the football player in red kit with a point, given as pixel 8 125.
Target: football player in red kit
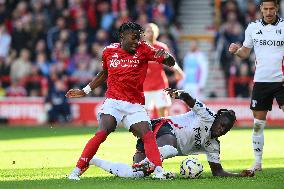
pixel 156 79
pixel 124 67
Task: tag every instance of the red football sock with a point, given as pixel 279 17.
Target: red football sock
pixel 151 148
pixel 91 149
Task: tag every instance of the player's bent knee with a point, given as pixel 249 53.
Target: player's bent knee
pixel 168 151
pixel 140 129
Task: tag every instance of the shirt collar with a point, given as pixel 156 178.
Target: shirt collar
pixel 274 23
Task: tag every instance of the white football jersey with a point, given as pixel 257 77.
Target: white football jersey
pixel 268 43
pixel 192 131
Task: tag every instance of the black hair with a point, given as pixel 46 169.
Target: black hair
pixel 228 117
pixel 276 2
pixel 130 26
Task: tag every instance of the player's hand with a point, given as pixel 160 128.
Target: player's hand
pixel 75 93
pixel 233 48
pixel 161 52
pixel 174 93
pixel 247 173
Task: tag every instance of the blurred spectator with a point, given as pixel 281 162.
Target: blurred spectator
pixel 57 104
pixel 42 63
pixel 106 15
pixel 2 90
pixel 5 41
pixel 40 47
pixel 240 69
pixel 53 33
pixel 82 54
pixel 61 57
pixel 15 89
pixel 162 8
pixel 3 12
pixel 33 84
pixel 231 6
pixel 231 31
pixel 102 37
pixel 57 9
pixel 96 52
pixel 21 67
pixel 21 37
pixel 195 67
pixel 4 67
pixel 251 11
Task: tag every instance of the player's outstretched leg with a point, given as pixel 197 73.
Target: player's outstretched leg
pixel 118 169
pixel 88 152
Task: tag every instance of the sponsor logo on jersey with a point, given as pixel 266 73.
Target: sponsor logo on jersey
pixel 197 138
pixel 124 63
pixel 264 42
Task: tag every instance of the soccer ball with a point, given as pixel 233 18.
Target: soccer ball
pixel 191 168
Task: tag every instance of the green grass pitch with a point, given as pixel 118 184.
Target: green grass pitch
pixel 42 157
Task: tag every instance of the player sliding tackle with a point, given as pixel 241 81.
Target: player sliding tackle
pixel 194 132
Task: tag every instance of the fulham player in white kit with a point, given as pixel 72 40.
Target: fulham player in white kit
pixel 266 36
pixel 194 132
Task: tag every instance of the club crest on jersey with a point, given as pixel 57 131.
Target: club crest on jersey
pixel 253 103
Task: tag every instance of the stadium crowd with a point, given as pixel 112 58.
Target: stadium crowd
pixel 45 42
pixel 42 41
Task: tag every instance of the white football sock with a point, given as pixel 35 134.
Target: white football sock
pixel 258 139
pixel 76 170
pixel 118 169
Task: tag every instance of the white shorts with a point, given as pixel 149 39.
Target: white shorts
pixel 158 99
pixel 124 112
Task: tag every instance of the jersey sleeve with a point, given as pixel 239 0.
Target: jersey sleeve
pixel 213 157
pixel 213 151
pixel 201 110
pixel 150 53
pixel 248 42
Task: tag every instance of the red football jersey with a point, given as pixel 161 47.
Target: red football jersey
pixel 156 78
pixel 127 72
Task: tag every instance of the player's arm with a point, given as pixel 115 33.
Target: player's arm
pixel 217 170
pixel 168 58
pixel 242 52
pixel 97 81
pixel 180 94
pixel 179 74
